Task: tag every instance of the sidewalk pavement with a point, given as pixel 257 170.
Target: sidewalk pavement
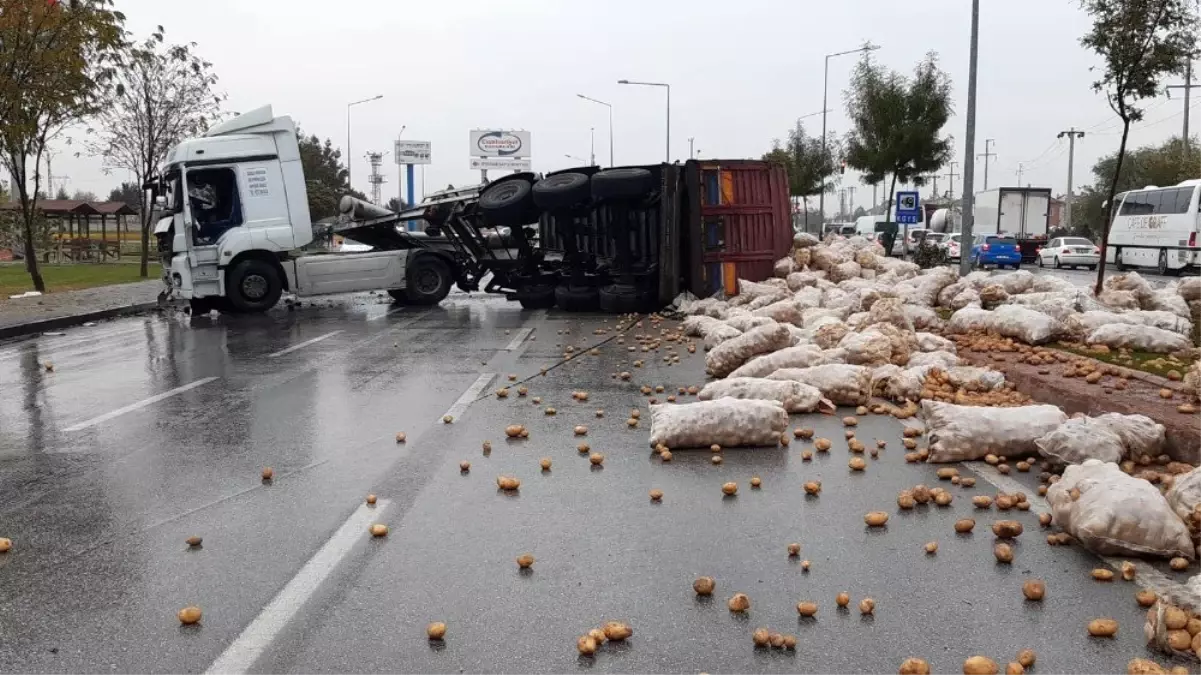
pixel 57 310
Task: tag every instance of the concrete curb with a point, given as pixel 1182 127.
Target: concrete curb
pixel 58 322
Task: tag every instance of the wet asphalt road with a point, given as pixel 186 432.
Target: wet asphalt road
pixel 107 466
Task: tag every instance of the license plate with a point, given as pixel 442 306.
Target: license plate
pixel 1083 250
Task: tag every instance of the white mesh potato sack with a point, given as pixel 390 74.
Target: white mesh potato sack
pixel 841 383
pixel 1079 439
pixel 1142 338
pixel 1140 434
pixel 959 433
pixel 727 356
pixel 800 356
pixel 1114 514
pixel 796 397
pixel 728 422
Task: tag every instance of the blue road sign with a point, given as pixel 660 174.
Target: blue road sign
pixel 908 208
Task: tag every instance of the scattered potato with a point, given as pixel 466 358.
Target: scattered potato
pixel 857 464
pixel 1146 598
pixel 1178 564
pixel 822 444
pixel 1022 466
pixel 1026 657
pixel 867 606
pixel 379 530
pixel 268 473
pixel 1186 408
pixel 729 489
pixel 1103 627
pixel 370 501
pixel 1007 529
pixel 992 459
pixel 760 637
pixel 806 608
pixel 789 641
pixel 964 525
pixel 932 547
pixel 1044 519
pixel 905 500
pixel 1034 589
pixel 1179 639
pixel 617 630
pixel 464 466
pixel 665 455
pixel 586 645
pixel 1165 393
pixel 980 665
pixel 716 459
pixel 487 445
pixel 914 666
pixel 912 457
pixel 189 615
pixel 843 599
pixel 982 501
pixel 1174 618
pixel 803 432
pixel 1128 570
pixel 967 481
pixel 503 392
pixel 1003 553
pixel 656 495
pixel 947 473
pixel 813 487
pixel 739 602
pixel 596 458
pixel 804 565
pixel 704 585
pixel 400 437
pixel 537 400
pixel 756 481
pixel 1014 668
pixel 943 498
pixel 876 518
pixel 507 482
pixel 447 419
pixel 192 541
pixel 514 430
pixel 794 549
pixel 545 463
pixel 632 422
pixel 849 421
pixel 600 413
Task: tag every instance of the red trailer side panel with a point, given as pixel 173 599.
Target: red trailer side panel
pixel 738 213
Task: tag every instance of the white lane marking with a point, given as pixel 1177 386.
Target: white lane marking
pixel 386 314
pixel 242 653
pixel 301 345
pixel 1145 575
pixel 518 339
pixel 139 405
pixel 469 396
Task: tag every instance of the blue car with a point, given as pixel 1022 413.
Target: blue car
pixel 991 249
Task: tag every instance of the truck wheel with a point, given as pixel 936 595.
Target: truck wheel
pixel 508 203
pixel 625 299
pixel 428 280
pixel 1163 268
pixel 562 191
pixel 577 298
pixel 253 286
pixel 536 297
pixel 622 184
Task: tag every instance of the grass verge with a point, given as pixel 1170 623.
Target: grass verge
pixel 14 279
pixel 1156 364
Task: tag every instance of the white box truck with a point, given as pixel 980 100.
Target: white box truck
pixel 1022 213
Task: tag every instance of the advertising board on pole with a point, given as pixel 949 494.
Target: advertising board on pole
pixel 413 152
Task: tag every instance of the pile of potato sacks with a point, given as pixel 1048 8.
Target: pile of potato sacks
pixel 842 321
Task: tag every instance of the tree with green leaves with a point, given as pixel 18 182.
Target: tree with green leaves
pixel 897 123
pixel 163 95
pixel 810 166
pixel 1140 42
pixel 325 176
pixel 57 63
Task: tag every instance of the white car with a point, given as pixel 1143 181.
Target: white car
pixel 951 245
pixel 1069 252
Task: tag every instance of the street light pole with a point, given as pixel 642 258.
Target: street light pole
pixel 825 95
pixel 969 146
pixel 668 88
pixel 610 107
pixel 349 159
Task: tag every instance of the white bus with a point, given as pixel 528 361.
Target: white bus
pixel 1156 217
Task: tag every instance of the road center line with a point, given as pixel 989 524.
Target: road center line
pixel 518 339
pixel 242 653
pixel 301 345
pixel 1145 575
pixel 139 405
pixel 460 406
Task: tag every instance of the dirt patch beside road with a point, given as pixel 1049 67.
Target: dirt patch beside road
pixel 1074 395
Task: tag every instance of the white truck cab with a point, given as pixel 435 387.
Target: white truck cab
pixel 237 215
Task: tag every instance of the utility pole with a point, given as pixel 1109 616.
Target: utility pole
pixel 691 151
pixel 987 155
pixel 1187 87
pixel 952 176
pixel 1019 173
pixel 1072 135
pixel 851 201
pixel 842 204
pixel 875 198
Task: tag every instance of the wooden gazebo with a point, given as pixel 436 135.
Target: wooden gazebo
pixel 72 238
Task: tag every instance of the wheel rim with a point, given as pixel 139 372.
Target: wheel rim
pixel 254 286
pixel 428 281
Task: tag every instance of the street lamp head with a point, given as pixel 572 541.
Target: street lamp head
pixel 623 82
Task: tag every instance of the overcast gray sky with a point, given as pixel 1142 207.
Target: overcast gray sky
pixel 741 73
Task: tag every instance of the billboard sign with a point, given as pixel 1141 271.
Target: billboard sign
pixel 499 143
pixel 501 163
pixel 413 152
